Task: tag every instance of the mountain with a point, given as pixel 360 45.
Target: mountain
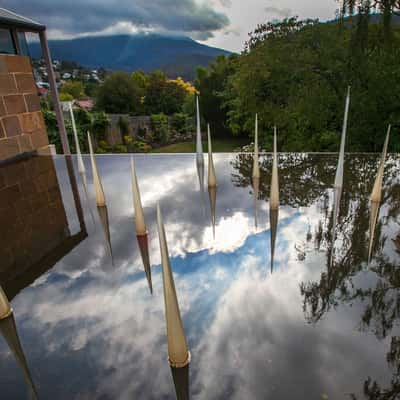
pixel 176 55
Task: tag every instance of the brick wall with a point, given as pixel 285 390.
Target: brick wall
pixel 32 216
pixel 22 127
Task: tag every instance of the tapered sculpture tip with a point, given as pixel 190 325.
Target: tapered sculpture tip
pixel 5 308
pixel 178 353
pixel 212 179
pixel 140 224
pixel 159 216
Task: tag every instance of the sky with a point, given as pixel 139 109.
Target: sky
pixel 219 23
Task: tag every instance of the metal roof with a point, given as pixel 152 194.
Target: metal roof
pixel 13 20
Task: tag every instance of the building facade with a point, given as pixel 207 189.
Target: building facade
pixel 22 128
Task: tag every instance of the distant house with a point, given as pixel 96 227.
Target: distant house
pixel 42 91
pixel 87 104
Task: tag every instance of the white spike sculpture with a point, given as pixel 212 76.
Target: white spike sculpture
pixel 178 353
pixel 137 203
pixel 274 197
pixel 140 226
pixel 98 187
pixel 9 331
pixel 338 186
pixel 376 196
pixel 340 166
pixel 5 308
pixel 256 167
pixel 199 145
pixel 81 165
pixel 199 148
pixel 212 179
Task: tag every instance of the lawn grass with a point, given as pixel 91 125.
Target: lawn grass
pixel 218 145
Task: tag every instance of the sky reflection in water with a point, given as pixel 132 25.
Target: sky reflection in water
pixel 91 329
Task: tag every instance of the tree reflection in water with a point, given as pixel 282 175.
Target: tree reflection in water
pixel 307 180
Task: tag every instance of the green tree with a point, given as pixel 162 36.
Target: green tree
pixel 294 74
pixel 118 94
pixel 211 83
pixel 163 96
pixel 160 127
pixel 74 89
pixel 141 82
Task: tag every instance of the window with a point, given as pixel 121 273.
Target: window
pixel 6 42
pixel 23 44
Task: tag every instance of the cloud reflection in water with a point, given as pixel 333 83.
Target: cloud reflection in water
pixel 92 330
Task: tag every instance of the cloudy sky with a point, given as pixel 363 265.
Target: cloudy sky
pixel 222 23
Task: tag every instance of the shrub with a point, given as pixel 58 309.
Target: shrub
pixel 179 122
pixel 160 127
pixel 100 150
pixel 139 146
pixel 120 148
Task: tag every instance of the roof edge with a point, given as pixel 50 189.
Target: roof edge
pixel 11 19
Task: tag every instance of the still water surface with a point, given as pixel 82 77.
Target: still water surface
pixel 320 323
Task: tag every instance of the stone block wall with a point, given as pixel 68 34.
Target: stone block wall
pixel 32 215
pixel 22 128
pixel 135 123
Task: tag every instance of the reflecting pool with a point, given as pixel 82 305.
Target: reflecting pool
pixel 317 322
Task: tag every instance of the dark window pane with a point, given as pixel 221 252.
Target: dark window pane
pixel 6 42
pixel 23 45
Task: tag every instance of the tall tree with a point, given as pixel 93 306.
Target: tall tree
pixel 211 83
pixel 118 94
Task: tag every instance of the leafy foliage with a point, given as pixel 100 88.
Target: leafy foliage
pixel 160 128
pixel 118 94
pixel 73 89
pixel 142 94
pixel 295 74
pixel 211 83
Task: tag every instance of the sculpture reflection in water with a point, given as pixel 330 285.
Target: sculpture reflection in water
pixel 8 330
pixel 376 290
pixel 180 377
pixel 274 200
pixel 376 196
pixel 100 199
pixel 212 182
pixel 178 353
pixel 199 148
pixel 140 226
pixel 256 173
